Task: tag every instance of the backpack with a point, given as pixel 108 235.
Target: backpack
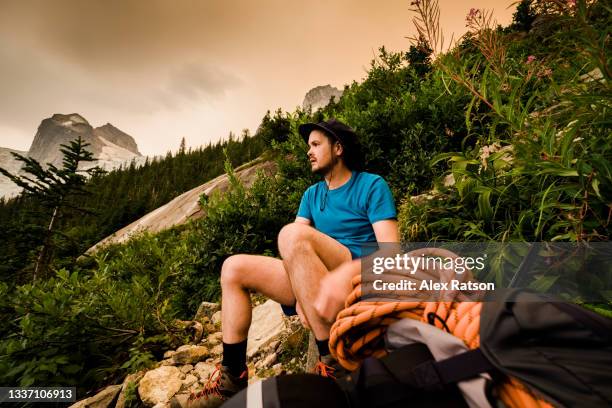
pixel 534 351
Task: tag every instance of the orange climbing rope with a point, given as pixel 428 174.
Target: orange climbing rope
pixel 360 327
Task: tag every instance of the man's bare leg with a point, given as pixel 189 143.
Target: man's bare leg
pixel 241 273
pixel 308 256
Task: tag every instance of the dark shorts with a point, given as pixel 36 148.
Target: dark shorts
pixel 289 310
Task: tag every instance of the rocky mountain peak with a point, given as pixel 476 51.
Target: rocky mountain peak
pixel 109 145
pixel 56 130
pixel 320 96
pixel 117 137
pixel 70 120
pixel 105 142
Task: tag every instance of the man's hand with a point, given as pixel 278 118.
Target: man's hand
pixel 334 289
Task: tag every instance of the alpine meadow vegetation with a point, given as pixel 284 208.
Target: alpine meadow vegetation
pixel 502 135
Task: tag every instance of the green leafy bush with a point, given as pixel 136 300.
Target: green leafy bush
pixel 76 328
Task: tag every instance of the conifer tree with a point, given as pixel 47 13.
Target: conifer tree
pixel 183 146
pixel 54 188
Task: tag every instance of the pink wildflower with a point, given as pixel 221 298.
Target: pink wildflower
pixel 530 59
pixel 571 3
pixel 472 15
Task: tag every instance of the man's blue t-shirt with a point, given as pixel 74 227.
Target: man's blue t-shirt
pixel 348 212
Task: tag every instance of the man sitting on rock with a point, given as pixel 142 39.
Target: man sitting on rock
pixel 336 217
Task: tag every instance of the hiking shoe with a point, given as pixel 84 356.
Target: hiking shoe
pixel 328 366
pixel 221 386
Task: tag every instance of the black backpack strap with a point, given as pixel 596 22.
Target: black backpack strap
pixel 410 374
pixel 433 375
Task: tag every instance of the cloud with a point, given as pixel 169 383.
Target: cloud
pixel 197 81
pixel 36 85
pixel 147 64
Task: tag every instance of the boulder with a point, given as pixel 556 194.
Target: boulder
pixel 189 354
pixel 203 370
pixel 186 206
pixel 217 350
pixel 206 309
pixel 189 380
pixel 216 318
pixel 266 326
pixel 103 399
pixel 131 378
pixel 186 368
pixel 159 385
pixel 215 338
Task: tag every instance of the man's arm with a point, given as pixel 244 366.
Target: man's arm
pixel 336 286
pixel 386 231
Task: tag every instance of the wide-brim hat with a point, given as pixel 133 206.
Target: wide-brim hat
pixel 343 133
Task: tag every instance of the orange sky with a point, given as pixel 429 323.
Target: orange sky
pixel 165 69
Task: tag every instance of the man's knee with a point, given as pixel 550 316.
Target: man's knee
pixel 293 236
pixel 232 270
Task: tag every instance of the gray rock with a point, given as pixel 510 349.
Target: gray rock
pixel 206 309
pixel 320 96
pixel 189 354
pixel 159 385
pixel 217 350
pixel 189 380
pixel 422 198
pixel 131 378
pixel 186 368
pixel 117 137
pixel 216 318
pixel 185 207
pixel 110 146
pixel 12 165
pixel 215 338
pixel 103 399
pixel 266 326
pixel 269 360
pixel 203 370
pixel 594 75
pixel 61 129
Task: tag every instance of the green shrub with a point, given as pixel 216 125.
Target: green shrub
pixel 76 328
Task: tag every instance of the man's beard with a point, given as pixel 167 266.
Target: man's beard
pixel 324 170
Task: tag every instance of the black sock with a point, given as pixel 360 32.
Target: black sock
pixel 234 357
pixel 323 346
